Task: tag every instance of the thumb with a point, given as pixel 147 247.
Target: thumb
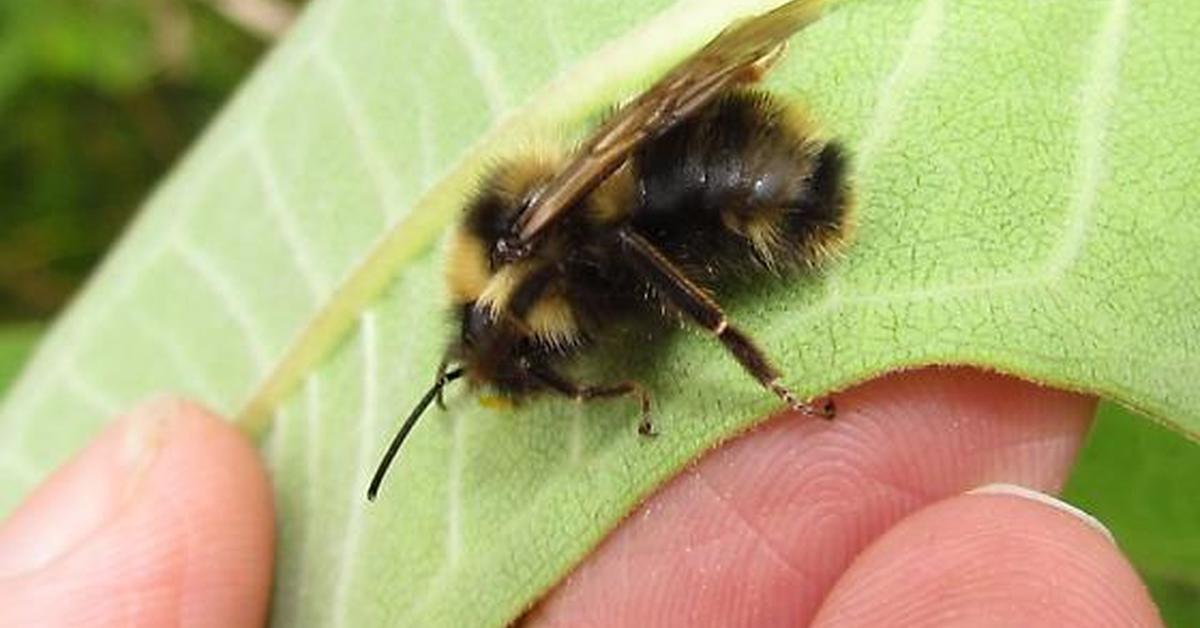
pixel 1000 555
pixel 165 519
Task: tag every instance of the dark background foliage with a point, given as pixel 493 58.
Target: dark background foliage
pixel 98 98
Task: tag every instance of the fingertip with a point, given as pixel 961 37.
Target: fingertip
pixel 758 531
pixel 1050 501
pixel 991 558
pixel 182 530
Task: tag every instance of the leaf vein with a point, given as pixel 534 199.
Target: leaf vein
pixel 1102 68
pixel 427 142
pixel 454 533
pixel 913 66
pixel 384 184
pixel 349 551
pixel 86 391
pixel 194 378
pixel 308 479
pixel 277 206
pixel 557 47
pixel 227 298
pixel 480 55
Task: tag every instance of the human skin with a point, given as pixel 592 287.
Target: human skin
pixel 166 519
pixel 852 521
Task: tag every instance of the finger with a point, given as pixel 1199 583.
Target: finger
pixel 758 531
pixel 166 519
pixel 995 558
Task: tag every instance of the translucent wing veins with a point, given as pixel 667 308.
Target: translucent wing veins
pixel 740 53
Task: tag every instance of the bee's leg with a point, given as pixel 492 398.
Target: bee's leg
pixel 675 287
pixel 582 392
pixel 441 378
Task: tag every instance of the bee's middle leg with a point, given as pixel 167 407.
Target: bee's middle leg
pixel 585 392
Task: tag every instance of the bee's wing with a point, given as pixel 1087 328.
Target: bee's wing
pixel 742 52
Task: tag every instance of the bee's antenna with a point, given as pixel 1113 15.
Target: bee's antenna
pixel 398 440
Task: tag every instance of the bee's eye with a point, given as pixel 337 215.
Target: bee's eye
pixel 476 323
pixel 508 250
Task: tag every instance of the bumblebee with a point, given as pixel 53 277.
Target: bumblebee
pixel 697 179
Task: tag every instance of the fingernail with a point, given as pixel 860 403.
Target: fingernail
pixel 146 433
pixel 1014 490
pixel 88 492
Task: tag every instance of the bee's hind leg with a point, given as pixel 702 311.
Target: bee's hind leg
pixel 679 291
pixel 583 392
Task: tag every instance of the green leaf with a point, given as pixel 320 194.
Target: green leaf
pixel 1026 173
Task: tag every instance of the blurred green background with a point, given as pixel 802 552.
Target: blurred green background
pixel 97 99
pixel 100 97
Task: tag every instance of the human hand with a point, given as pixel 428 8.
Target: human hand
pixel 861 521
pixel 867 521
pixel 165 519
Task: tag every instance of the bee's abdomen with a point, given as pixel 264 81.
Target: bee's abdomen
pixel 743 181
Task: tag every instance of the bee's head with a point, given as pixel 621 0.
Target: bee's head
pixel 507 305
pixel 477 249
pixel 509 190
pixel 490 349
